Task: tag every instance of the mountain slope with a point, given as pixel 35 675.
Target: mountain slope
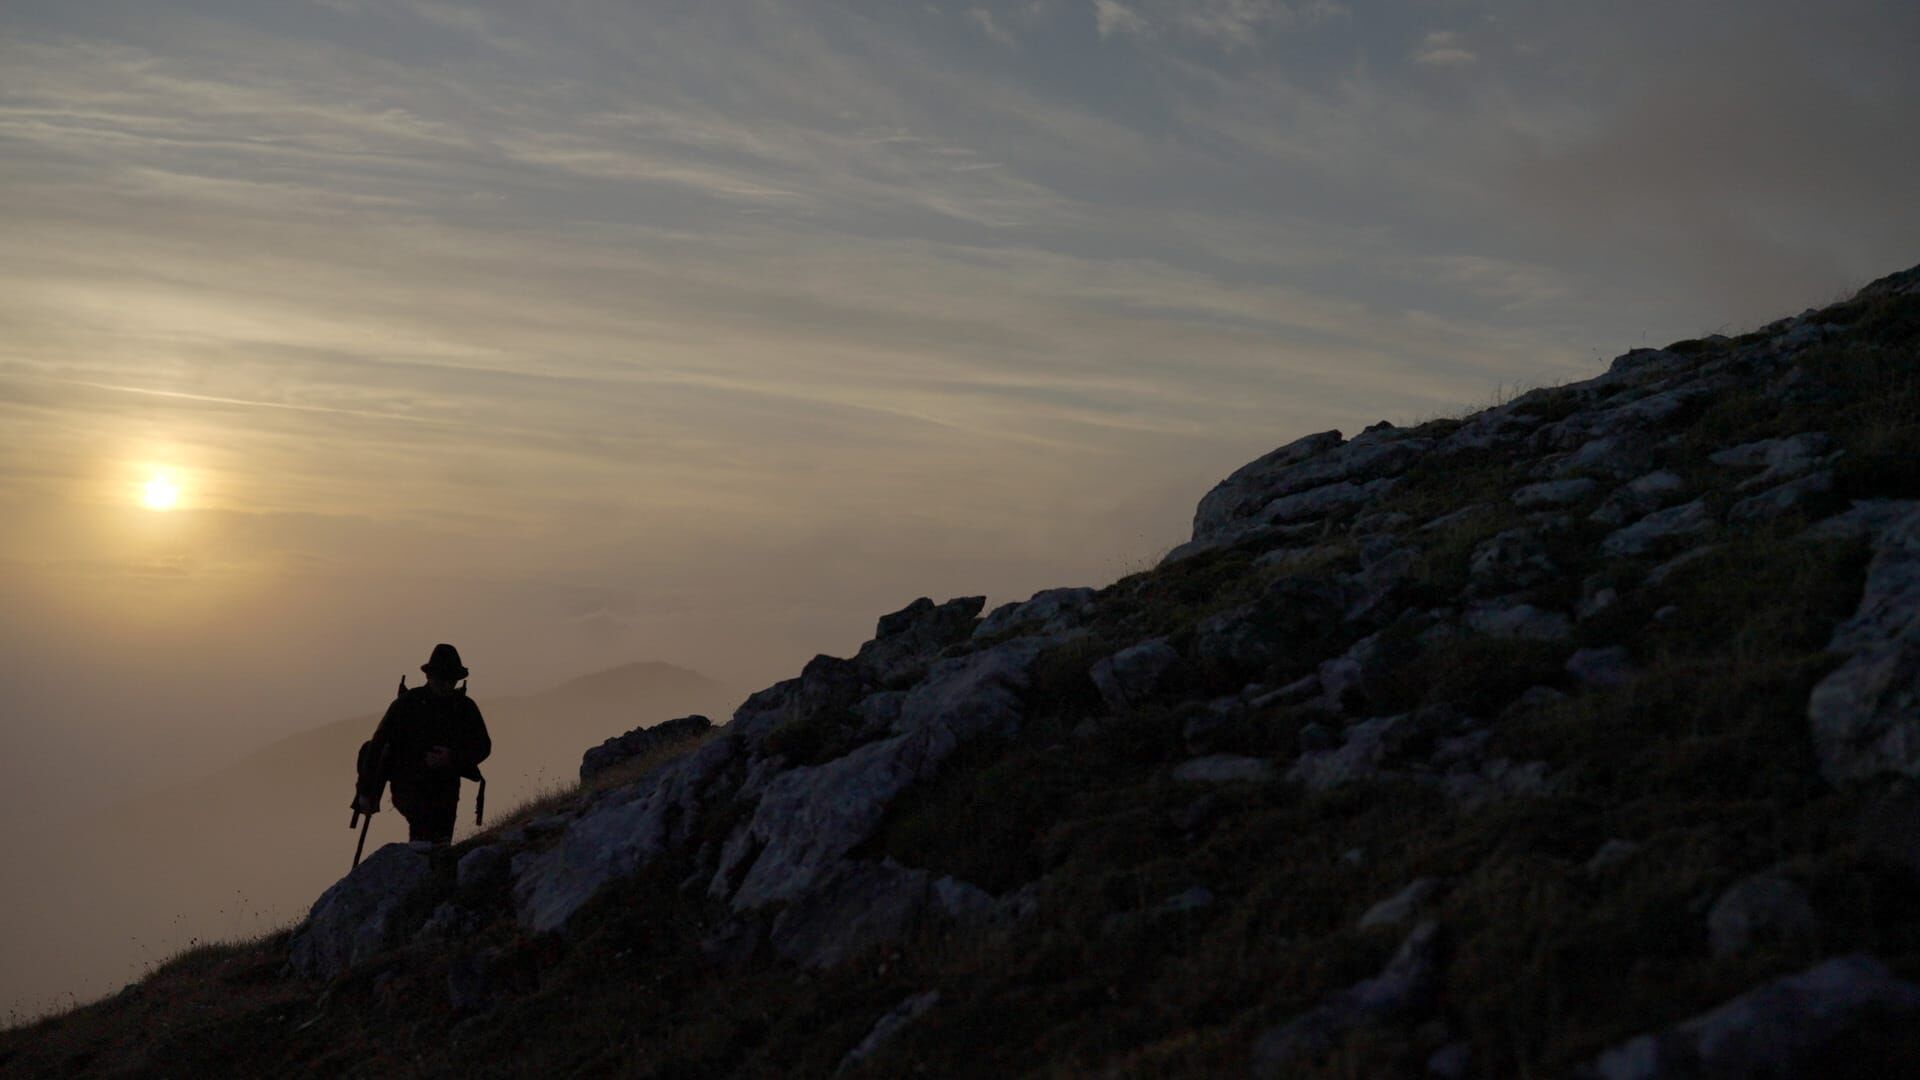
pixel 1571 736
pixel 247 847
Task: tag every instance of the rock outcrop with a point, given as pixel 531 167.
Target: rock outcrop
pixel 360 916
pixel 639 742
pixel 1355 636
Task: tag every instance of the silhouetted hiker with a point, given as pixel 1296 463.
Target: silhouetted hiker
pixel 431 736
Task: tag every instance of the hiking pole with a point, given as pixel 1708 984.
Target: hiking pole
pixel 366 820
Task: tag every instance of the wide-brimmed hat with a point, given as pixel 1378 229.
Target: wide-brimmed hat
pixel 445 663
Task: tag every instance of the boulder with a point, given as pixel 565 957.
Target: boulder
pixel 1611 854
pixel 1307 478
pixel 1256 483
pixel 1401 906
pixel 1865 715
pixel 1782 499
pixel 1659 575
pixel 1134 674
pixel 1639 497
pixel 1617 456
pixel 640 742
pixel 1767 1031
pixel 888 1025
pixel 826 686
pixel 1759 908
pixel 809 818
pixel 1224 769
pixel 1357 757
pixel 1404 988
pixel 1513 559
pixel 482 866
pixel 1498 428
pixel 1783 458
pixel 1495 779
pixel 359 916
pixel 1048 612
pixel 906 641
pixel 1521 622
pixel 1657 529
pixel 618 835
pixel 1601 668
pixel 449 922
pixel 1554 493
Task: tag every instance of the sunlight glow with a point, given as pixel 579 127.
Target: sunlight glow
pixel 160 493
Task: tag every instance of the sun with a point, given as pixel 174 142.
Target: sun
pixel 160 493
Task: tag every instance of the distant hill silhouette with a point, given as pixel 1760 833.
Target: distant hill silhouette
pixel 248 846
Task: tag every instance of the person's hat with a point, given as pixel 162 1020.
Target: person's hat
pixel 445 663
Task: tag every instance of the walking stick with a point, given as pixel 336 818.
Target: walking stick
pixel 362 845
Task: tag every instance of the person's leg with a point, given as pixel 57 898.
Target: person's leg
pixel 433 822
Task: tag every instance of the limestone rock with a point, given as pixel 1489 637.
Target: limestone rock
pixel 1321 501
pixel 1048 612
pixel 1659 575
pixel 1513 559
pixel 906 641
pixel 1658 528
pixel 1639 497
pixel 889 1025
pixel 1522 622
pixel 1255 484
pixel 1358 757
pixel 1865 715
pixel 1405 987
pixel 1783 458
pixel 1554 493
pixel 1782 499
pixel 1619 456
pixel 1769 1030
pixel 1224 769
pixel 449 922
pixel 826 685
pixel 1496 779
pixel 616 837
pixel 640 742
pixel 1134 674
pixel 1307 478
pixel 1611 854
pixel 1401 906
pixel 810 817
pixel 482 866
pixel 1761 907
pixel 358 917
pixel 1601 668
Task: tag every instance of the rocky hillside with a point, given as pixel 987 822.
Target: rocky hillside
pixel 1575 737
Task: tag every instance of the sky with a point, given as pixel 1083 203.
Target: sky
pixel 588 332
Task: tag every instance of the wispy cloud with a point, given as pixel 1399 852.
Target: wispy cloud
pixel 1444 49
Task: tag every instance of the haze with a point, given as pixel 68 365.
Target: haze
pixel 586 333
